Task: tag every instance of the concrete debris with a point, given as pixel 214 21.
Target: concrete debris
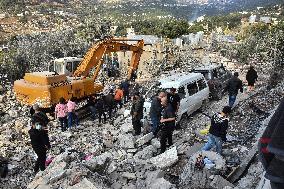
pixel 84 184
pixel 166 159
pixel 161 183
pixel 109 156
pixel 143 140
pixel 220 183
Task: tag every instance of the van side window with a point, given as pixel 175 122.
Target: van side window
pixel 192 88
pixel 201 84
pixel 181 92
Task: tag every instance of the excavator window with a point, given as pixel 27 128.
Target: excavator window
pixel 69 66
pixel 75 65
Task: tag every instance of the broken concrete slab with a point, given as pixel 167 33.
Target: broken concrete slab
pixel 161 183
pixel 143 140
pixel 219 182
pixel 153 175
pixel 156 143
pixel 84 184
pixel 166 159
pixel 146 153
pixel 235 175
pixel 193 149
pixel 128 175
pixel 126 141
pixel 99 163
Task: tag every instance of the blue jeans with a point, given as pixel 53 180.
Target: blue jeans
pixel 155 123
pixel 72 117
pixel 213 141
pixel 93 112
pixel 232 100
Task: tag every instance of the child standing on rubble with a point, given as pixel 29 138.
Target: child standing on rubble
pixel 61 113
pixel 218 130
pixel 72 116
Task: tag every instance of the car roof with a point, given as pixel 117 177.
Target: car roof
pixel 176 80
pixel 207 67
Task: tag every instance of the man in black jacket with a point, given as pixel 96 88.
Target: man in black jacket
pixel 40 142
pixel 167 124
pixel 271 148
pixel 251 77
pixel 155 111
pixel 218 130
pixel 109 102
pixel 233 86
pixel 137 112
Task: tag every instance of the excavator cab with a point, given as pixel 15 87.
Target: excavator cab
pixel 66 65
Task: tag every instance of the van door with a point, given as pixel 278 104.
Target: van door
pixel 203 93
pixel 183 101
pixel 193 98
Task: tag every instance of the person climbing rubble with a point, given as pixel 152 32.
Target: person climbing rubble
pixel 174 99
pixel 137 113
pixel 39 140
pixel 39 115
pixel 167 124
pixel 155 112
pixel 251 78
pixel 233 86
pixel 271 148
pixel 61 113
pixel 218 130
pixel 118 97
pixel 72 116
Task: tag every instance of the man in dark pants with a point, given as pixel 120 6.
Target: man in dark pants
pixel 125 87
pixel 271 148
pixel 40 142
pixel 137 113
pixel 155 112
pixel 173 99
pixel 233 86
pixel 100 107
pixel 109 102
pixel 168 124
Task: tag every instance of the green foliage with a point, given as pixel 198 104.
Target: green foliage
pixel 170 28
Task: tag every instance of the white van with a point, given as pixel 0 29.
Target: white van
pixel 191 87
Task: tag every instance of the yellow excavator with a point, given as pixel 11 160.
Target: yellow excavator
pixel 71 76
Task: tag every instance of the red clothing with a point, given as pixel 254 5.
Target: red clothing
pixel 118 94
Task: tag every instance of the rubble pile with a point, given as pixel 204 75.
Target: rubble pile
pixel 109 156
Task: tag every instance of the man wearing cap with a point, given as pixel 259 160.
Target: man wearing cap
pixel 233 86
pixel 137 113
pixel 174 99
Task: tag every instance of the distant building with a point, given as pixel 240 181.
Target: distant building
pixel 265 19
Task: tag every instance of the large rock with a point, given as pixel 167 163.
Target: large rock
pixel 220 183
pixel 143 140
pixel 161 183
pixel 146 153
pixel 166 159
pixel 99 163
pixel 126 141
pixel 156 143
pixel 84 184
pixel 151 176
pixel 126 127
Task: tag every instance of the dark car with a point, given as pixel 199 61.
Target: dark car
pixel 217 77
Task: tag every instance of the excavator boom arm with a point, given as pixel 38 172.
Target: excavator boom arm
pixel 94 55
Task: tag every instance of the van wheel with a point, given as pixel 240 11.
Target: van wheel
pixel 182 124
